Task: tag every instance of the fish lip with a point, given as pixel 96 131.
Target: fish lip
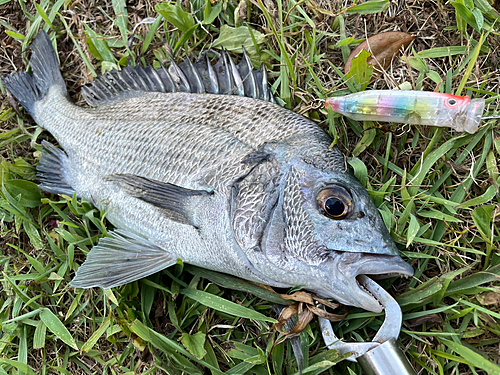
pixel 374 300
pixel 376 267
pixel 382 266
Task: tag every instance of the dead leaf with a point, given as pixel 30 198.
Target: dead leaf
pixel 383 48
pixel 322 313
pixel 324 302
pixel 305 309
pixel 304 316
pixel 298 297
pixel 490 298
pixel 12 102
pixel 431 318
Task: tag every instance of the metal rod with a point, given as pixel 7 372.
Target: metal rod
pixel 386 359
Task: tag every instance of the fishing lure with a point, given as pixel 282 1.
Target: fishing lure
pixel 411 107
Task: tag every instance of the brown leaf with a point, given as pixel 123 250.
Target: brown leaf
pixel 287 313
pixel 324 314
pixel 490 298
pixel 12 102
pixel 298 297
pixel 431 318
pixel 383 48
pixel 304 316
pixel 331 305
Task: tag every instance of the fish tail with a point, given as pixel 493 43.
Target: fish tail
pixel 29 89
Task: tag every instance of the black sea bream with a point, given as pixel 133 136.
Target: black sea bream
pixel 233 183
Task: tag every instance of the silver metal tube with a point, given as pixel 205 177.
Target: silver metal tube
pixel 386 359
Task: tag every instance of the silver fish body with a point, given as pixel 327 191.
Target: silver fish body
pixel 230 183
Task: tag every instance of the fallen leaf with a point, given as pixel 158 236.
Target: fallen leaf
pixel 490 298
pixel 430 318
pixel 12 102
pixel 324 314
pixel 383 48
pixel 331 305
pixel 304 316
pixel 298 297
pixel 305 308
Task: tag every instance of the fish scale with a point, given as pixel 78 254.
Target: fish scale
pixel 197 163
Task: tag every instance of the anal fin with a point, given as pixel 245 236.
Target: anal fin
pixel 121 259
pixel 51 170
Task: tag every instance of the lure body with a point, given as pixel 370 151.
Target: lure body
pixel 411 107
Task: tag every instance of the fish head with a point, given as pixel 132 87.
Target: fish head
pixel 325 231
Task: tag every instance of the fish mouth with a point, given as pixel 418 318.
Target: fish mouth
pixel 376 267
pixel 374 301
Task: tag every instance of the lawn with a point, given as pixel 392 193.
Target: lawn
pixel 436 189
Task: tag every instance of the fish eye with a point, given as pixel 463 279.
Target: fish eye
pixel 452 102
pixel 334 202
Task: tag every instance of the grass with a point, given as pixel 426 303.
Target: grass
pixel 436 189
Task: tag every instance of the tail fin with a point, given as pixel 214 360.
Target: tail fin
pixel 27 88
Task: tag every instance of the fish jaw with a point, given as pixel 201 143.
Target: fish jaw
pixel 378 266
pixel 336 277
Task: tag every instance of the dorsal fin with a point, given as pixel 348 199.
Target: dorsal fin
pixel 225 78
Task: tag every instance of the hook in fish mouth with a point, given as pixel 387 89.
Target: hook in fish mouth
pixel 376 267
pixel 389 330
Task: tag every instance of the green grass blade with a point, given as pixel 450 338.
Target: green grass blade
pixel 472 357
pixel 84 57
pixel 39 335
pixel 96 336
pixel 57 328
pixel 369 7
pixel 235 283
pixel 164 344
pixel 223 305
pixel 470 66
pixel 22 367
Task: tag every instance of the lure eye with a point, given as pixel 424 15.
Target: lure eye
pixel 452 102
pixel 334 202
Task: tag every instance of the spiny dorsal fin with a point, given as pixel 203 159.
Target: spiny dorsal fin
pixel 225 78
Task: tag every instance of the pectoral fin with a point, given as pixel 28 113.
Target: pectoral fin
pixel 121 259
pixel 172 199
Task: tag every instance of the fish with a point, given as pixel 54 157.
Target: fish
pixel 411 107
pixel 197 163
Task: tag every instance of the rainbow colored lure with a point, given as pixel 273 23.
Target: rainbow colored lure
pixel 411 107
